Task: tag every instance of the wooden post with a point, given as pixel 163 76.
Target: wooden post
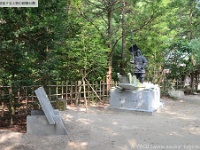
pixel 76 96
pixel 12 108
pixel 66 90
pixel 56 89
pixel 62 89
pixel 2 105
pixel 49 90
pixel 85 99
pixel 32 93
pixel 92 89
pixel 100 92
pixel 26 95
pixel 103 90
pixel 26 99
pixel 71 91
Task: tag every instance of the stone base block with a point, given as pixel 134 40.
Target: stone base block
pixel 147 100
pixel 38 124
pixel 61 104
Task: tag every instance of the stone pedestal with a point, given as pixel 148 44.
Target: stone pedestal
pixel 141 99
pixel 38 124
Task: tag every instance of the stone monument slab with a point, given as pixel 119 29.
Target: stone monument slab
pixel 46 122
pixel 45 104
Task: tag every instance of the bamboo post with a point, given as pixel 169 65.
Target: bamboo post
pixel 76 97
pixel 106 94
pixel 26 94
pixel 96 85
pixel 92 89
pixel 66 91
pixel 49 90
pixel 26 99
pixel 93 86
pixel 87 89
pixel 85 99
pixel 56 89
pixel 12 108
pixel 2 105
pixel 32 94
pixel 100 91
pixel 2 109
pixel 103 90
pixel 62 89
pixel 18 94
pixel 71 91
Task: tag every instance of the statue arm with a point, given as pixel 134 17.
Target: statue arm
pixel 145 62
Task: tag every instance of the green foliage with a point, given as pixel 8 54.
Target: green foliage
pixel 195 46
pixel 184 18
pixel 87 55
pixel 62 40
pixel 184 47
pixel 183 58
pixel 27 40
pixel 178 58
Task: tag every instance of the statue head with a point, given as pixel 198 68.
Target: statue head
pixel 133 48
pixel 137 52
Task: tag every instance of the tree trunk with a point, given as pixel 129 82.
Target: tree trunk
pixel 192 82
pixel 191 23
pixel 79 92
pixel 109 74
pixel 110 46
pixel 123 38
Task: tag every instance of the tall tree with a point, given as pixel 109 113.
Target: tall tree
pixel 100 14
pixel 26 43
pixel 185 24
pixel 27 40
pixel 123 37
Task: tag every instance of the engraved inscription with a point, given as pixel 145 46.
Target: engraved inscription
pixel 123 100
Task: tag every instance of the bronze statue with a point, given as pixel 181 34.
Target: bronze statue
pixel 139 62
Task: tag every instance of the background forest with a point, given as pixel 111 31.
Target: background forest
pixel 71 40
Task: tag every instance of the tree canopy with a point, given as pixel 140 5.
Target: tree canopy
pixel 66 40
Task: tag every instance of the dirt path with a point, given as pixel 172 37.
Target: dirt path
pixel 176 126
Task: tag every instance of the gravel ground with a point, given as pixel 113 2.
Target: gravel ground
pixel 175 126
